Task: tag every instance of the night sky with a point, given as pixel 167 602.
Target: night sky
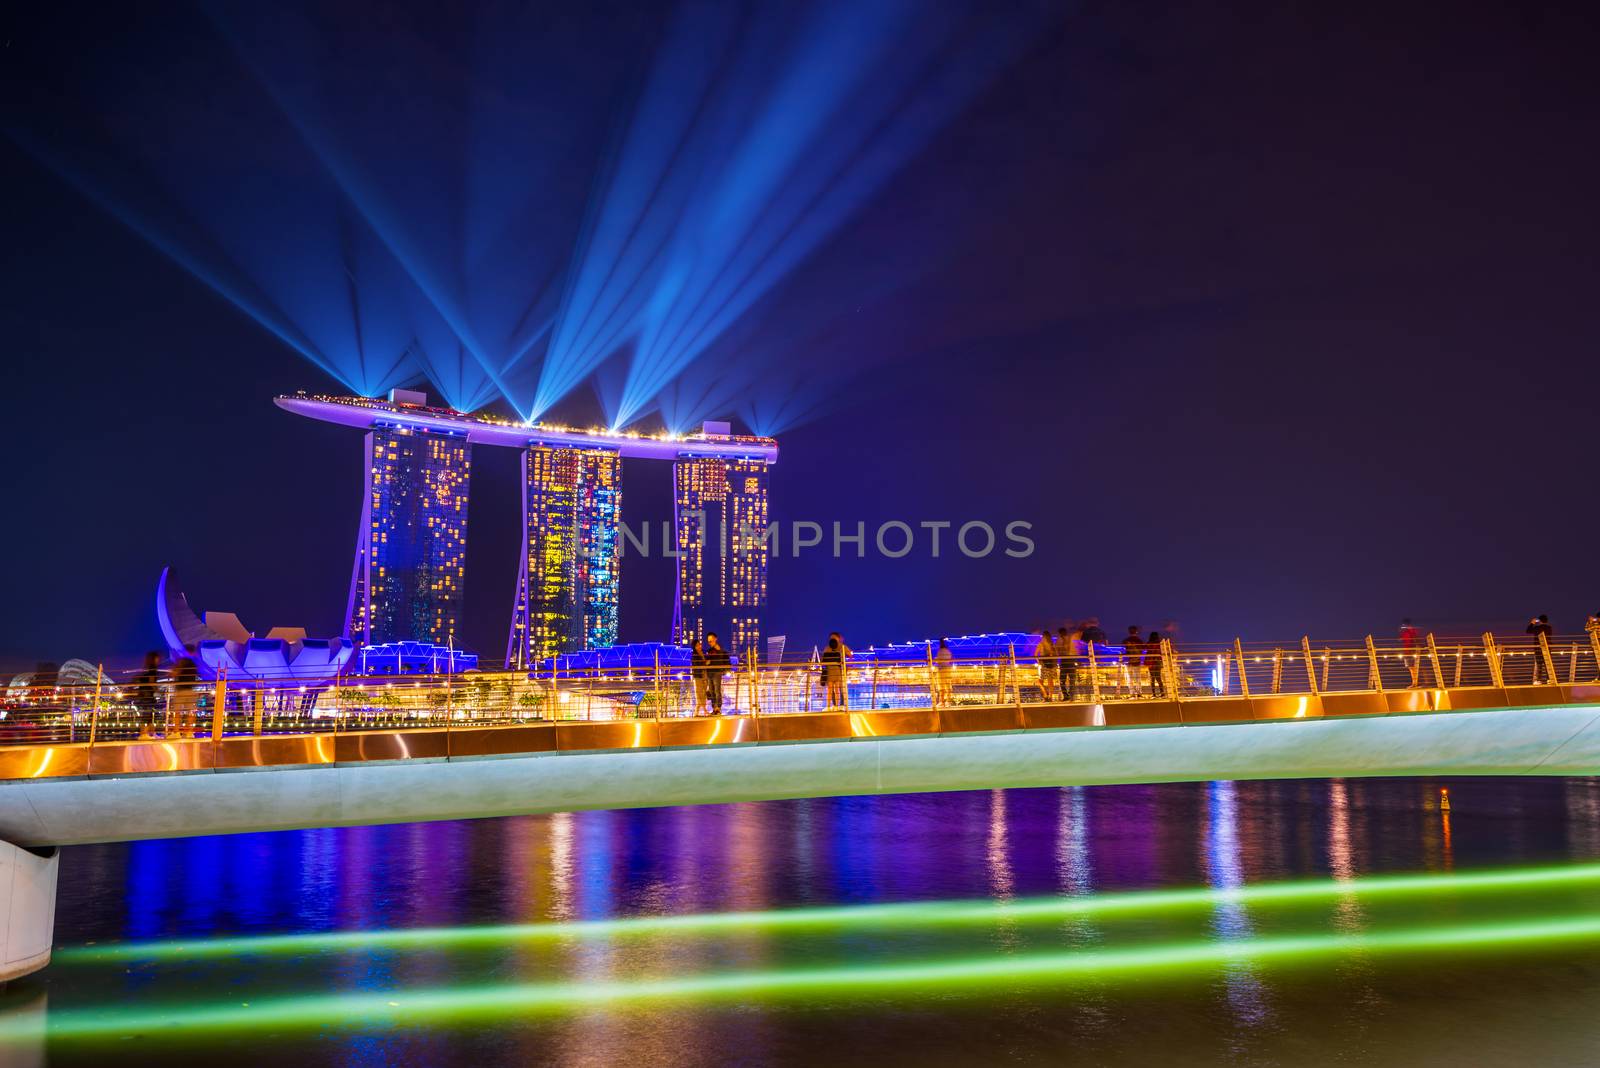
pixel 1270 318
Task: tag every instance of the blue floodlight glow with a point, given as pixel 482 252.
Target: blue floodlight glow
pixel 451 204
pixel 755 139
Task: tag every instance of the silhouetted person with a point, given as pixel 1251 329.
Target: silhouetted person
pixel 146 695
pixel 833 672
pixel 1093 633
pixel 1592 628
pixel 185 697
pixel 1410 654
pixel 1070 645
pixel 1133 661
pixel 1540 624
pixel 717 663
pixel 1153 657
pixel 943 666
pixel 699 669
pixel 1045 654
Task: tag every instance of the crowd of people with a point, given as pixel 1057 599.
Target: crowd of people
pixel 1137 664
pixel 1062 656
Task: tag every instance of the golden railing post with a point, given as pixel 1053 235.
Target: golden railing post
pixel 94 710
pixel 933 692
pixel 1491 653
pixel 1311 666
pixel 1327 661
pixel 1244 676
pixel 1374 672
pixel 1572 665
pixel 1549 661
pixel 1016 679
pixel 755 681
pixel 1277 671
pixel 1433 657
pixel 1169 668
pixel 1456 680
pixel 255 700
pixel 1008 673
pixel 219 704
pixel 1594 645
pixel 1094 675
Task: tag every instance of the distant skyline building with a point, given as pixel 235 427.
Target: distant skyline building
pixel 410 573
pixel 721 514
pixel 569 582
pixel 409 579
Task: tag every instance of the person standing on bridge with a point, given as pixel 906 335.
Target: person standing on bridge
pixel 1133 659
pixel 1156 661
pixel 1540 624
pixel 833 671
pixel 1069 646
pixel 717 664
pixel 1592 628
pixel 1044 654
pixel 1410 652
pixel 1138 656
pixel 845 652
pixel 698 666
pixel 146 699
pixel 185 698
pixel 943 664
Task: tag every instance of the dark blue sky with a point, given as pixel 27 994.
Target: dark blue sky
pixel 1269 319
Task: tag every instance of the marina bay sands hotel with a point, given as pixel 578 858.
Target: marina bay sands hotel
pixel 410 565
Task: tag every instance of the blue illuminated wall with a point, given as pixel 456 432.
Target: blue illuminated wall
pixel 568 583
pixel 410 571
pixel 415 658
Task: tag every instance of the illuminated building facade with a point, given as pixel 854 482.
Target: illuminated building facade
pixel 410 570
pixel 568 581
pixel 721 512
pixel 411 550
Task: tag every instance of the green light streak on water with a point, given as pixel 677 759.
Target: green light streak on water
pixel 912 914
pixel 415 1006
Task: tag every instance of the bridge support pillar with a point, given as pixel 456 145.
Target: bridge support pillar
pixel 27 908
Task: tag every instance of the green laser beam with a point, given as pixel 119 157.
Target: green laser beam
pixel 899 914
pixel 415 1006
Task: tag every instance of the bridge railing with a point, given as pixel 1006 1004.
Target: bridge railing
pixel 117 707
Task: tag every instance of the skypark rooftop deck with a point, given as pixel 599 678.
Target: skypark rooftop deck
pixel 481 428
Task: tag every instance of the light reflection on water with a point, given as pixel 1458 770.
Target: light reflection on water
pixel 997 845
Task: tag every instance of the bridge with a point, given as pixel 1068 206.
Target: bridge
pixel 368 751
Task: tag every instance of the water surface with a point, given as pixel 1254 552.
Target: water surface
pixel 1348 972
